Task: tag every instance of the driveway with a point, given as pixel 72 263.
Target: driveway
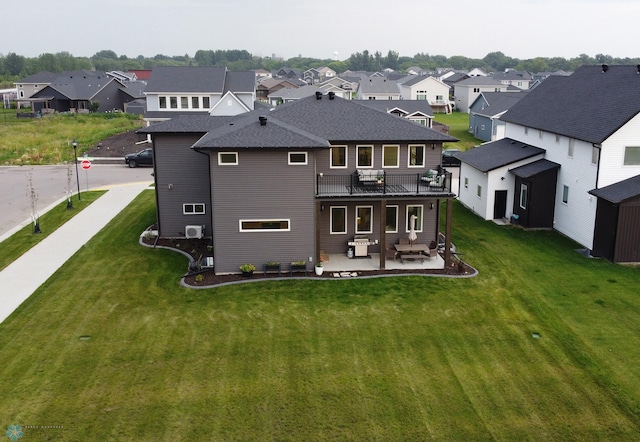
pixel 50 183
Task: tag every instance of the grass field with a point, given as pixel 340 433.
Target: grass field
pixel 458 123
pixel 112 348
pixel 48 140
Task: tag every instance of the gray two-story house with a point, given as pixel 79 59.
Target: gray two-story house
pixel 305 177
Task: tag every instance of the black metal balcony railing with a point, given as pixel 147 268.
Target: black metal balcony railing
pixel 388 184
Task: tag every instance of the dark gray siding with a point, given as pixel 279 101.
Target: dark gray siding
pixel 337 243
pixel 482 127
pixel 182 176
pixel 628 237
pixel 262 186
pixel 433 157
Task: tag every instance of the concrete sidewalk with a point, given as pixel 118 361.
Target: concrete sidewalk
pixel 23 277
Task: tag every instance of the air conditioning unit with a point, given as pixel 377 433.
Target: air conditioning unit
pixel 194 231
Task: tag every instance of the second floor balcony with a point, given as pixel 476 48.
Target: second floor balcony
pixel 375 183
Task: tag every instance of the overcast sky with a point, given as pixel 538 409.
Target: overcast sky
pixel 325 29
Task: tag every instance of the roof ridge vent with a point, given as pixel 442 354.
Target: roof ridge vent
pixel 263 120
pixel 318 95
pixel 605 68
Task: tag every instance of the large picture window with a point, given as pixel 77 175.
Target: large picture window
pixel 390 156
pixel 416 155
pixel 632 156
pixel 338 220
pixel 364 219
pixel 392 219
pixel 417 211
pixel 265 225
pixel 339 157
pixel 365 156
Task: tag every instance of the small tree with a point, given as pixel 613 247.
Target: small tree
pixel 33 199
pixel 69 191
pixel 94 106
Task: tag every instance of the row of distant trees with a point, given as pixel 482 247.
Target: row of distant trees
pixel 14 66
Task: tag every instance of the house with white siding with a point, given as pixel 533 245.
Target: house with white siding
pixel 588 124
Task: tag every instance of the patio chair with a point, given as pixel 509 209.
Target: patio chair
pixel 391 253
pixel 433 250
pixel 403 241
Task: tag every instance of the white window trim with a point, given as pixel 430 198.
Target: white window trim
pixel 194 212
pixel 370 220
pixel 466 182
pixel 479 191
pixel 396 223
pixel 566 203
pixel 420 220
pixel 358 165
pixel 346 220
pixel 296 163
pixel 424 154
pixel 240 222
pixel 397 146
pixel 524 191
pixel 624 156
pixel 220 163
pixel 346 157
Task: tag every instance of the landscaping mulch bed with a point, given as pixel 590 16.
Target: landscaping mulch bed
pixel 197 248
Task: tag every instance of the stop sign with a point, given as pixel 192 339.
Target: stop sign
pixel 86 164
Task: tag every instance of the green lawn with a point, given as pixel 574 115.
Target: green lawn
pixel 458 123
pixel 21 241
pixel 112 348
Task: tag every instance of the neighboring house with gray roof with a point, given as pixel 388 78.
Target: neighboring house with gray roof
pixel 28 86
pixel 78 90
pixel 418 111
pixel 485 113
pixel 286 95
pixel 378 88
pixel 588 123
pixel 173 90
pixel 468 90
pixel 284 184
pixel 430 89
pixel 511 77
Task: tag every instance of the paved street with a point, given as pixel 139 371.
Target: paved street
pixel 50 183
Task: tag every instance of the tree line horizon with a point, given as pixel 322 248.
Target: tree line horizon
pixel 13 67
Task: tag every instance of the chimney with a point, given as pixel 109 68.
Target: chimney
pixel 318 95
pixel 605 68
pixel 332 95
pixel 263 120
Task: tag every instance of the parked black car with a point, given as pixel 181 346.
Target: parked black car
pixel 142 158
pixel 449 159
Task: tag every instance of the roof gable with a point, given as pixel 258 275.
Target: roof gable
pixel 619 192
pixel 495 154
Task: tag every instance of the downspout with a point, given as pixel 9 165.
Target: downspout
pixel 599 147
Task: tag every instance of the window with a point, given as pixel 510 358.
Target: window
pixel 195 102
pixel 265 225
pixel 595 154
pixel 476 90
pixel 298 158
pixel 416 155
pixel 365 156
pixel 163 102
pixel 338 220
pixel 417 211
pixel 523 196
pixel 479 191
pixel 339 157
pixel 631 156
pixel 390 156
pixel 228 158
pixel 364 219
pixel 193 209
pixel 205 103
pixel 173 102
pixel 565 194
pixel 572 144
pixel 466 182
pixel 184 102
pixel 421 95
pixel 392 219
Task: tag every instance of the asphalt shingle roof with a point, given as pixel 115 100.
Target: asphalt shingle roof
pixel 533 169
pixel 495 154
pixel 589 105
pixel 620 191
pixel 187 79
pixel 498 102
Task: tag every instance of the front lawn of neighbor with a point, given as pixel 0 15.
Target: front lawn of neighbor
pixel 543 345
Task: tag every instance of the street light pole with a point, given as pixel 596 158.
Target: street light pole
pixel 74 143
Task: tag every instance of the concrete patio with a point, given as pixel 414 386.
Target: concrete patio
pixel 341 263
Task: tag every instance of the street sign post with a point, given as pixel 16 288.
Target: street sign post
pixel 86 165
